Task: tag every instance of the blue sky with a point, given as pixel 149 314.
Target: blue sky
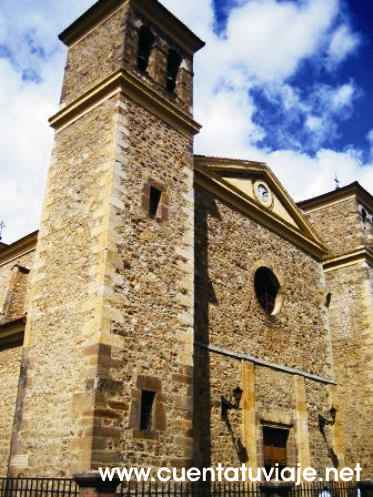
pixel 352 128
pixel 289 82
pixel 360 68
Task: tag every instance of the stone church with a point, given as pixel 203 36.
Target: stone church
pixel 176 309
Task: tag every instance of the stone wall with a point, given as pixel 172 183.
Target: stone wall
pixel 341 227
pixel 14 284
pixel 66 302
pixel 319 400
pixel 352 332
pixel 229 249
pixel 95 56
pixel 216 441
pixel 113 45
pixel 156 73
pixel 367 224
pixel 331 221
pixel 112 298
pixel 152 297
pixel 13 290
pixel 111 306
pixel 10 360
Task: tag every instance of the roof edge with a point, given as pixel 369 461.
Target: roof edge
pixel 305 238
pixel 352 189
pixel 227 160
pixel 15 248
pixel 103 8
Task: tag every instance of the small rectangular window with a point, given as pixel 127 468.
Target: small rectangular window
pixel 155 197
pixel 147 405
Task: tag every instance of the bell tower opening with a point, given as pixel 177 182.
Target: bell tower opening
pixel 146 42
pixel 173 66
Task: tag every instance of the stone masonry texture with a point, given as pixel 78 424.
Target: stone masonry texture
pixel 350 315
pixel 229 248
pixel 333 220
pixel 102 329
pixel 10 360
pixel 65 296
pixel 13 289
pixel 118 301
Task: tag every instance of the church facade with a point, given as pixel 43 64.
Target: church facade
pixel 174 309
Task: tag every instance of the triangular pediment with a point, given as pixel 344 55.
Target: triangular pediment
pixel 254 188
pixel 251 185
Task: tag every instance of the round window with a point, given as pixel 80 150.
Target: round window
pixel 267 289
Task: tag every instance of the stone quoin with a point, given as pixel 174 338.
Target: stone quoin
pixel 177 309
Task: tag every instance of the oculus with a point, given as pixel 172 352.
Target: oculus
pixel 268 291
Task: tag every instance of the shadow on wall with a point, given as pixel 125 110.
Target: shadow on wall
pixel 205 208
pixel 324 424
pixel 237 443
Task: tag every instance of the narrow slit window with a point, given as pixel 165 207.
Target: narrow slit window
pixel 173 66
pixel 146 42
pixel 364 215
pixel 147 406
pixel 155 198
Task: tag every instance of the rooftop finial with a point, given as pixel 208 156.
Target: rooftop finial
pixel 337 182
pixel 2 226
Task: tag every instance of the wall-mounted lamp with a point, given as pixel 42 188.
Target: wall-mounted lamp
pixel 328 420
pixel 227 405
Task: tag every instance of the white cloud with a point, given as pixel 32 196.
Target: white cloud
pixel 305 176
pixel 370 136
pixel 25 142
pixel 272 38
pixel 370 141
pixel 25 137
pixel 227 128
pixel 325 107
pixel 343 97
pixel 314 123
pixel 265 43
pixel 342 44
pixel 196 14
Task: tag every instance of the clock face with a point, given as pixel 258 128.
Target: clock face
pixel 263 194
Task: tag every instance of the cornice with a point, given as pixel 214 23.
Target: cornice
pixel 157 13
pixel 331 203
pixel 211 161
pixel 349 259
pixel 12 333
pixel 137 90
pixel 222 165
pixel 20 247
pixel 247 206
pixel 330 198
pixel 89 19
pixel 150 9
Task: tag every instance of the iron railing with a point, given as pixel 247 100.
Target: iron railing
pixel 197 489
pixel 38 487
pixel 63 487
pixel 233 490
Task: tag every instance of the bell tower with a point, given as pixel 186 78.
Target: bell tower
pixel 108 358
